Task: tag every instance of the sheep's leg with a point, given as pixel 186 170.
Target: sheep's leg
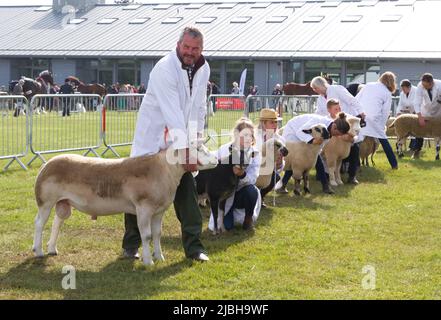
pixel 63 211
pixel 332 168
pixel 156 234
pixel 337 172
pixel 437 149
pixel 40 222
pixel 214 203
pixel 306 182
pixel 144 217
pixel 297 186
pixel 221 214
pixel 400 144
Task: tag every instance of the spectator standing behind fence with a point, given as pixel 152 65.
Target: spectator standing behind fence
pixel 214 90
pixel 18 91
pixel 175 102
pixel 235 89
pixel 141 89
pixel 376 101
pixel 66 88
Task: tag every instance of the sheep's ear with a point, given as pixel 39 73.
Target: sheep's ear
pixel 309 131
pixel 230 148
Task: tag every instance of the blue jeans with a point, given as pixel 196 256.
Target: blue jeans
pixel 389 153
pixel 245 198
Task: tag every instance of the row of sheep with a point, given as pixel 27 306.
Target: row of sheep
pixel 302 157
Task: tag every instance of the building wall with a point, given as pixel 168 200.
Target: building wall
pixel 5 72
pixel 146 68
pixel 412 70
pixel 63 68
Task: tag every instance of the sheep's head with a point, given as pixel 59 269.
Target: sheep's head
pixel 354 124
pixel 318 131
pixel 277 144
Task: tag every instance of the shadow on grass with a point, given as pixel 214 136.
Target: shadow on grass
pixel 422 163
pixel 119 279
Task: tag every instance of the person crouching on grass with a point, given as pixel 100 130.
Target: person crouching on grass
pixel 243 206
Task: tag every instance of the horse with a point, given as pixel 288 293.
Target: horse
pixel 298 89
pixel 93 88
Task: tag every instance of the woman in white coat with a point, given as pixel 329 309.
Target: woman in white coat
pixel 243 206
pixel 376 100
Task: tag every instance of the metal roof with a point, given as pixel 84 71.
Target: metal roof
pixel 275 30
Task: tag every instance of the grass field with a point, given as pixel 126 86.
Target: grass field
pixel 308 247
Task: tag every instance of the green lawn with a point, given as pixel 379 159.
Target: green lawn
pixel 312 247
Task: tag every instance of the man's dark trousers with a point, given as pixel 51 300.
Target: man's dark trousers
pixel 188 213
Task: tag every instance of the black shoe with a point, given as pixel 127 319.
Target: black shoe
pixel 328 190
pixel 248 223
pixel 130 253
pixel 416 155
pixel 353 180
pixel 199 256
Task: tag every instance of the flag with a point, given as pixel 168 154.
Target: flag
pixel 243 77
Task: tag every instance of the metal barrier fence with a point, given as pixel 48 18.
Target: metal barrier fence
pixel 394 106
pixel 64 122
pixel 119 120
pixel 222 112
pixel 286 105
pixel 13 129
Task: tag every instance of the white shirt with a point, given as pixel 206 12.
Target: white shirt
pixel 168 103
pixel 376 101
pixel 294 128
pixel 348 103
pixel 407 102
pixel 423 104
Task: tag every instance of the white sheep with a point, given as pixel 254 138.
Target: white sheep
pixel 271 150
pixel 368 147
pixel 407 125
pixel 144 186
pixel 302 157
pixel 338 149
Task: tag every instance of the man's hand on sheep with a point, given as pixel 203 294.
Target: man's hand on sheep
pixel 238 171
pixel 317 140
pixel 421 120
pixel 189 162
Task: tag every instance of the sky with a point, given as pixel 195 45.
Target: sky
pixel 49 2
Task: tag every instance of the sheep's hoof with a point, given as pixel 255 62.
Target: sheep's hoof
pixel 400 155
pixel 297 192
pixel 307 191
pixel 339 182
pixel 437 157
pixel 158 257
pixel 53 253
pixel 148 262
pixel 333 183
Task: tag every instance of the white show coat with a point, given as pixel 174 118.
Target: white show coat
pixel 407 102
pixel 422 101
pixel 294 128
pixel 376 102
pixel 168 103
pixel 348 103
pixel 252 173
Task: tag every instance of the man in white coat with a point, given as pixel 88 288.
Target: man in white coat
pixel 427 101
pixel 173 107
pixel 407 105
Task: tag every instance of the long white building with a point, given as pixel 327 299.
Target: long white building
pixel 276 41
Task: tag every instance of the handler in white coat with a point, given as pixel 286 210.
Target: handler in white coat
pixel 407 105
pixel 294 131
pixel 349 105
pixel 428 98
pixel 173 110
pixel 243 206
pixel 376 100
